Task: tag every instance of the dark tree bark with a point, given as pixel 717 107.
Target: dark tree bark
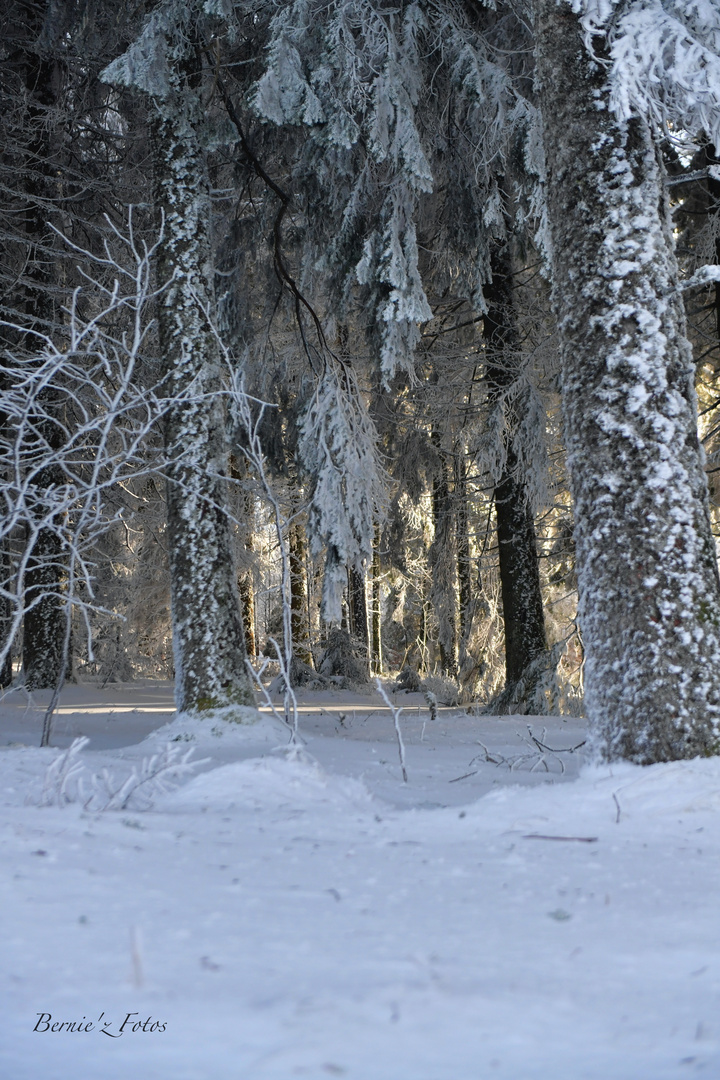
pixel 44 616
pixel 442 557
pixel 247 603
pixel 357 612
pixel 523 616
pixel 6 611
pixel 298 593
pixel 462 541
pixel 376 613
pixel 647 573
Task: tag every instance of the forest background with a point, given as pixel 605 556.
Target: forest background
pixel 294 368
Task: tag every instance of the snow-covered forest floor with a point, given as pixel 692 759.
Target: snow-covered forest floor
pixel 310 915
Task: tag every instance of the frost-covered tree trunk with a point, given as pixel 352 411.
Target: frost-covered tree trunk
pixel 647 574
pixel 207 624
pixel 208 644
pixel 523 616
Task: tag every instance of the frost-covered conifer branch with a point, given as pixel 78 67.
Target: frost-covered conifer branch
pixel 664 59
pixel 155 776
pixel 62 776
pixel 338 448
pixel 372 85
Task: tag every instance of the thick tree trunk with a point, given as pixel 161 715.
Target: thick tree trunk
pixel 647 574
pixel 523 617
pixel 208 643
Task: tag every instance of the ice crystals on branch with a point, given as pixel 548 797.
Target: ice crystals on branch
pixel 155 776
pixel 106 428
pixel 665 58
pixel 351 73
pixel 338 448
pixel 145 63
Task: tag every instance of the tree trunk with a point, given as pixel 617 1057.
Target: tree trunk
pixel 462 540
pixel 44 617
pixel 247 603
pixel 443 594
pixel 6 613
pixel 298 593
pixel 246 582
pixel 376 614
pixel 357 612
pixel 647 574
pixel 208 639
pixel 43 623
pixel 523 616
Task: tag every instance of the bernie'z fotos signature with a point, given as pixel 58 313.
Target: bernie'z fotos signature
pixel 46 1023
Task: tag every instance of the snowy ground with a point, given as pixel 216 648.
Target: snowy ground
pixel 312 916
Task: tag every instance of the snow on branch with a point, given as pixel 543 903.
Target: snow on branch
pixel 338 448
pixel 665 59
pixel 145 63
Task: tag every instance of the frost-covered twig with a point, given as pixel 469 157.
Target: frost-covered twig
pixel 256 676
pixel 155 776
pixel 539 756
pixel 60 773
pixel 61 467
pixel 396 720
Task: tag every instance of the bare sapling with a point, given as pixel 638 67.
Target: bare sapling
pixel 395 712
pixel 94 364
pixel 241 409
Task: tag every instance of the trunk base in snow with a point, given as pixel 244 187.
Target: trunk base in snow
pixel 535 693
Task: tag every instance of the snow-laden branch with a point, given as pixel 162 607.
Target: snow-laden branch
pixel 664 59
pixel 338 448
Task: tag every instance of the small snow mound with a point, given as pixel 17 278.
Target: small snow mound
pixel 238 724
pixel 605 795
pixel 671 788
pixel 268 784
